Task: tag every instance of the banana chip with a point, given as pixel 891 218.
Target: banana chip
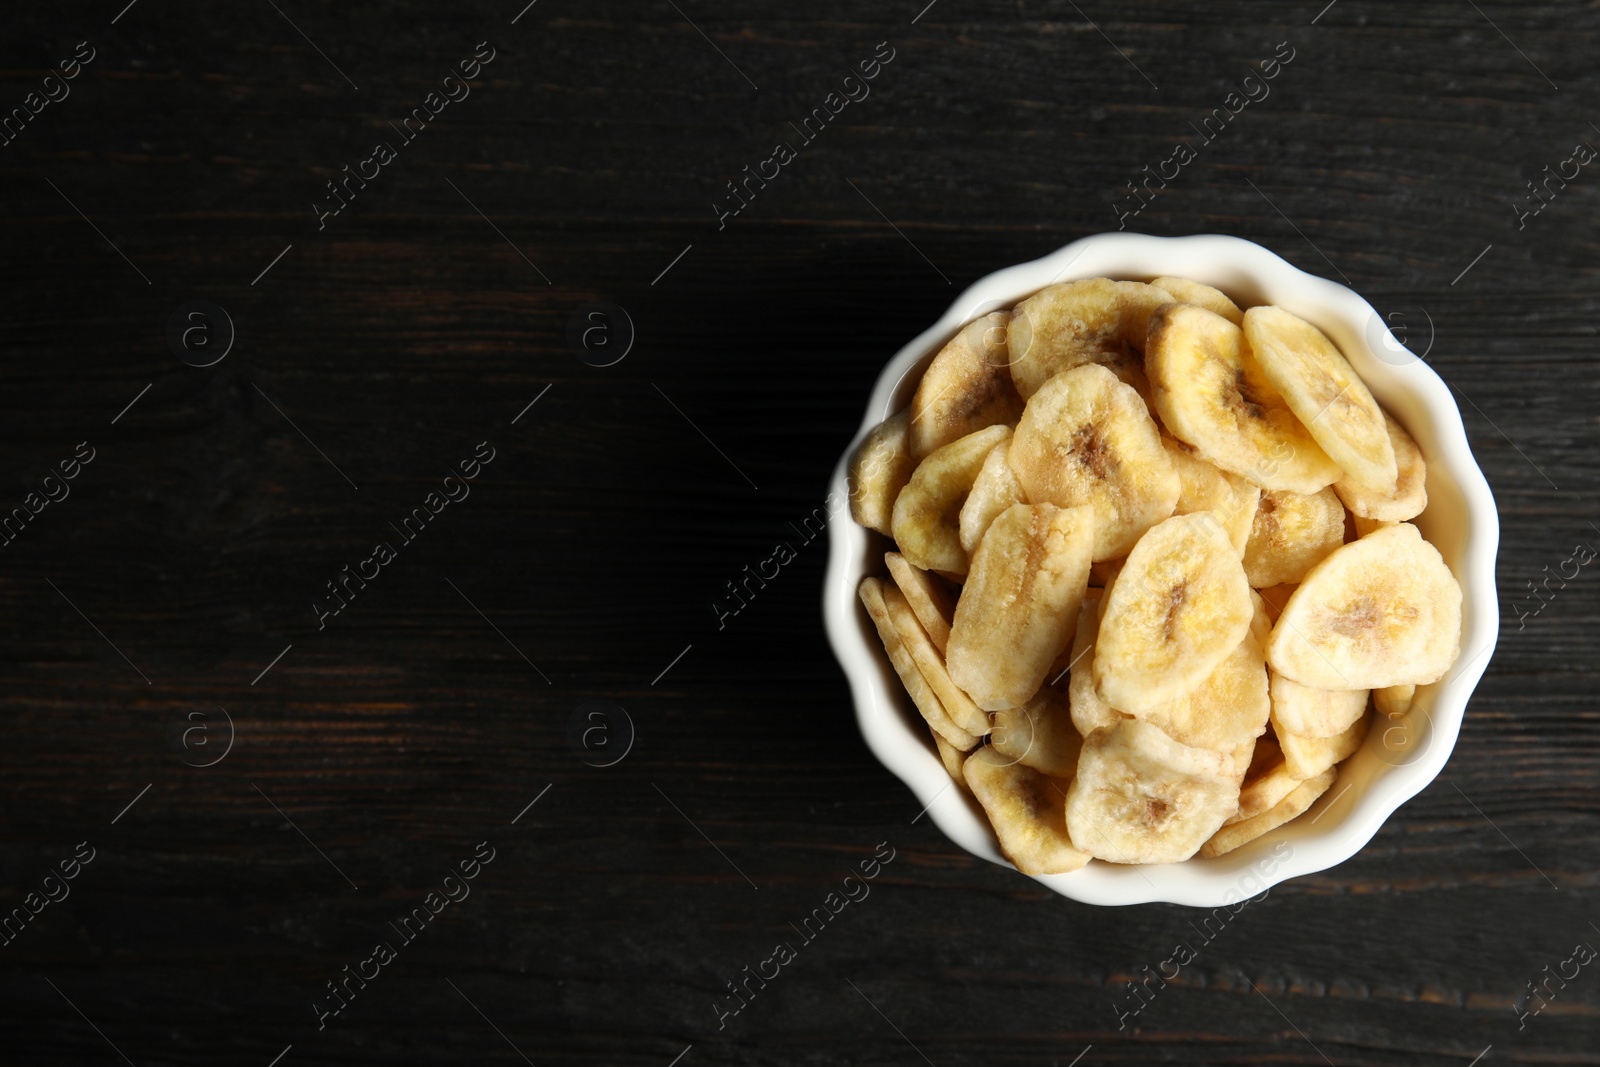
pixel 1393 701
pixel 1141 797
pixel 952 758
pixel 1410 494
pixel 1276 596
pixel 1176 610
pixel 966 388
pixel 1290 534
pixel 1039 734
pixel 1090 712
pixel 921 693
pixel 1017 610
pixel 1292 806
pixel 1266 782
pixel 1086 438
pixel 962 711
pixel 1203 487
pixel 1025 808
pixel 1307 757
pixel 927 512
pixel 929 597
pixel 1230 708
pixel 1325 393
pixel 1064 326
pixel 1308 712
pixel 995 489
pixel 1202 295
pixel 1378 612
pixel 880 468
pixel 1212 395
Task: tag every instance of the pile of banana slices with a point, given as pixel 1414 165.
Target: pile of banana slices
pixel 1151 565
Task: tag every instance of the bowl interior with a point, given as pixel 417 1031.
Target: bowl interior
pixel 1399 757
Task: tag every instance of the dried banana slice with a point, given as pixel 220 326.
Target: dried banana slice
pixel 1307 757
pixel 1039 734
pixel 1292 806
pixel 1276 596
pixel 1096 320
pixel 1176 610
pixel 1393 701
pixel 1266 782
pixel 1410 494
pixel 1086 438
pixel 922 695
pixel 1324 392
pixel 1017 610
pixel 1308 712
pixel 1141 797
pixel 1198 293
pixel 1230 708
pixel 1212 396
pixel 928 509
pixel 1090 712
pixel 995 489
pixel 1025 808
pixel 1365 525
pixel 966 387
pixel 1290 534
pixel 962 711
pixel 929 597
pixel 881 468
pixel 1204 487
pixel 952 758
pixel 1381 611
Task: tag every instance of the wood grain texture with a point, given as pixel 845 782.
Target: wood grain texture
pixel 1389 155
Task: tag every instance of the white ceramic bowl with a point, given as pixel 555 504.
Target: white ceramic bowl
pixel 1399 758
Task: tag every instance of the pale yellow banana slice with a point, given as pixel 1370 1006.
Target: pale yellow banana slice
pixel 1393 701
pixel 1324 392
pixel 1064 326
pixel 1230 708
pixel 1308 712
pixel 881 468
pixel 1039 734
pixel 1176 610
pixel 1266 782
pixel 1016 613
pixel 1381 611
pixel 966 387
pixel 1205 487
pixel 1365 525
pixel 1141 797
pixel 1307 757
pixel 962 711
pixel 1211 395
pixel 927 513
pixel 995 489
pixel 928 596
pixel 922 695
pixel 1086 438
pixel 952 758
pixel 1410 494
pixel 1290 534
pixel 1025 807
pixel 1290 807
pixel 1090 712
pixel 1191 292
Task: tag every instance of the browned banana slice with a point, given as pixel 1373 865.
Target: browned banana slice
pixel 966 387
pixel 1307 757
pixel 1393 701
pixel 1324 392
pixel 1212 396
pixel 1025 808
pixel 1086 438
pixel 1197 293
pixel 1230 708
pixel 881 468
pixel 1090 712
pixel 1292 806
pixel 1064 326
pixel 1309 712
pixel 927 512
pixel 995 489
pixel 1176 610
pixel 962 711
pixel 928 595
pixel 1410 495
pixel 921 693
pixel 1266 782
pixel 1039 734
pixel 1017 610
pixel 1276 596
pixel 1381 611
pixel 1290 534
pixel 1141 797
pixel 1205 487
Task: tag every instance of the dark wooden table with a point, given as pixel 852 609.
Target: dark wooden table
pixel 179 581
